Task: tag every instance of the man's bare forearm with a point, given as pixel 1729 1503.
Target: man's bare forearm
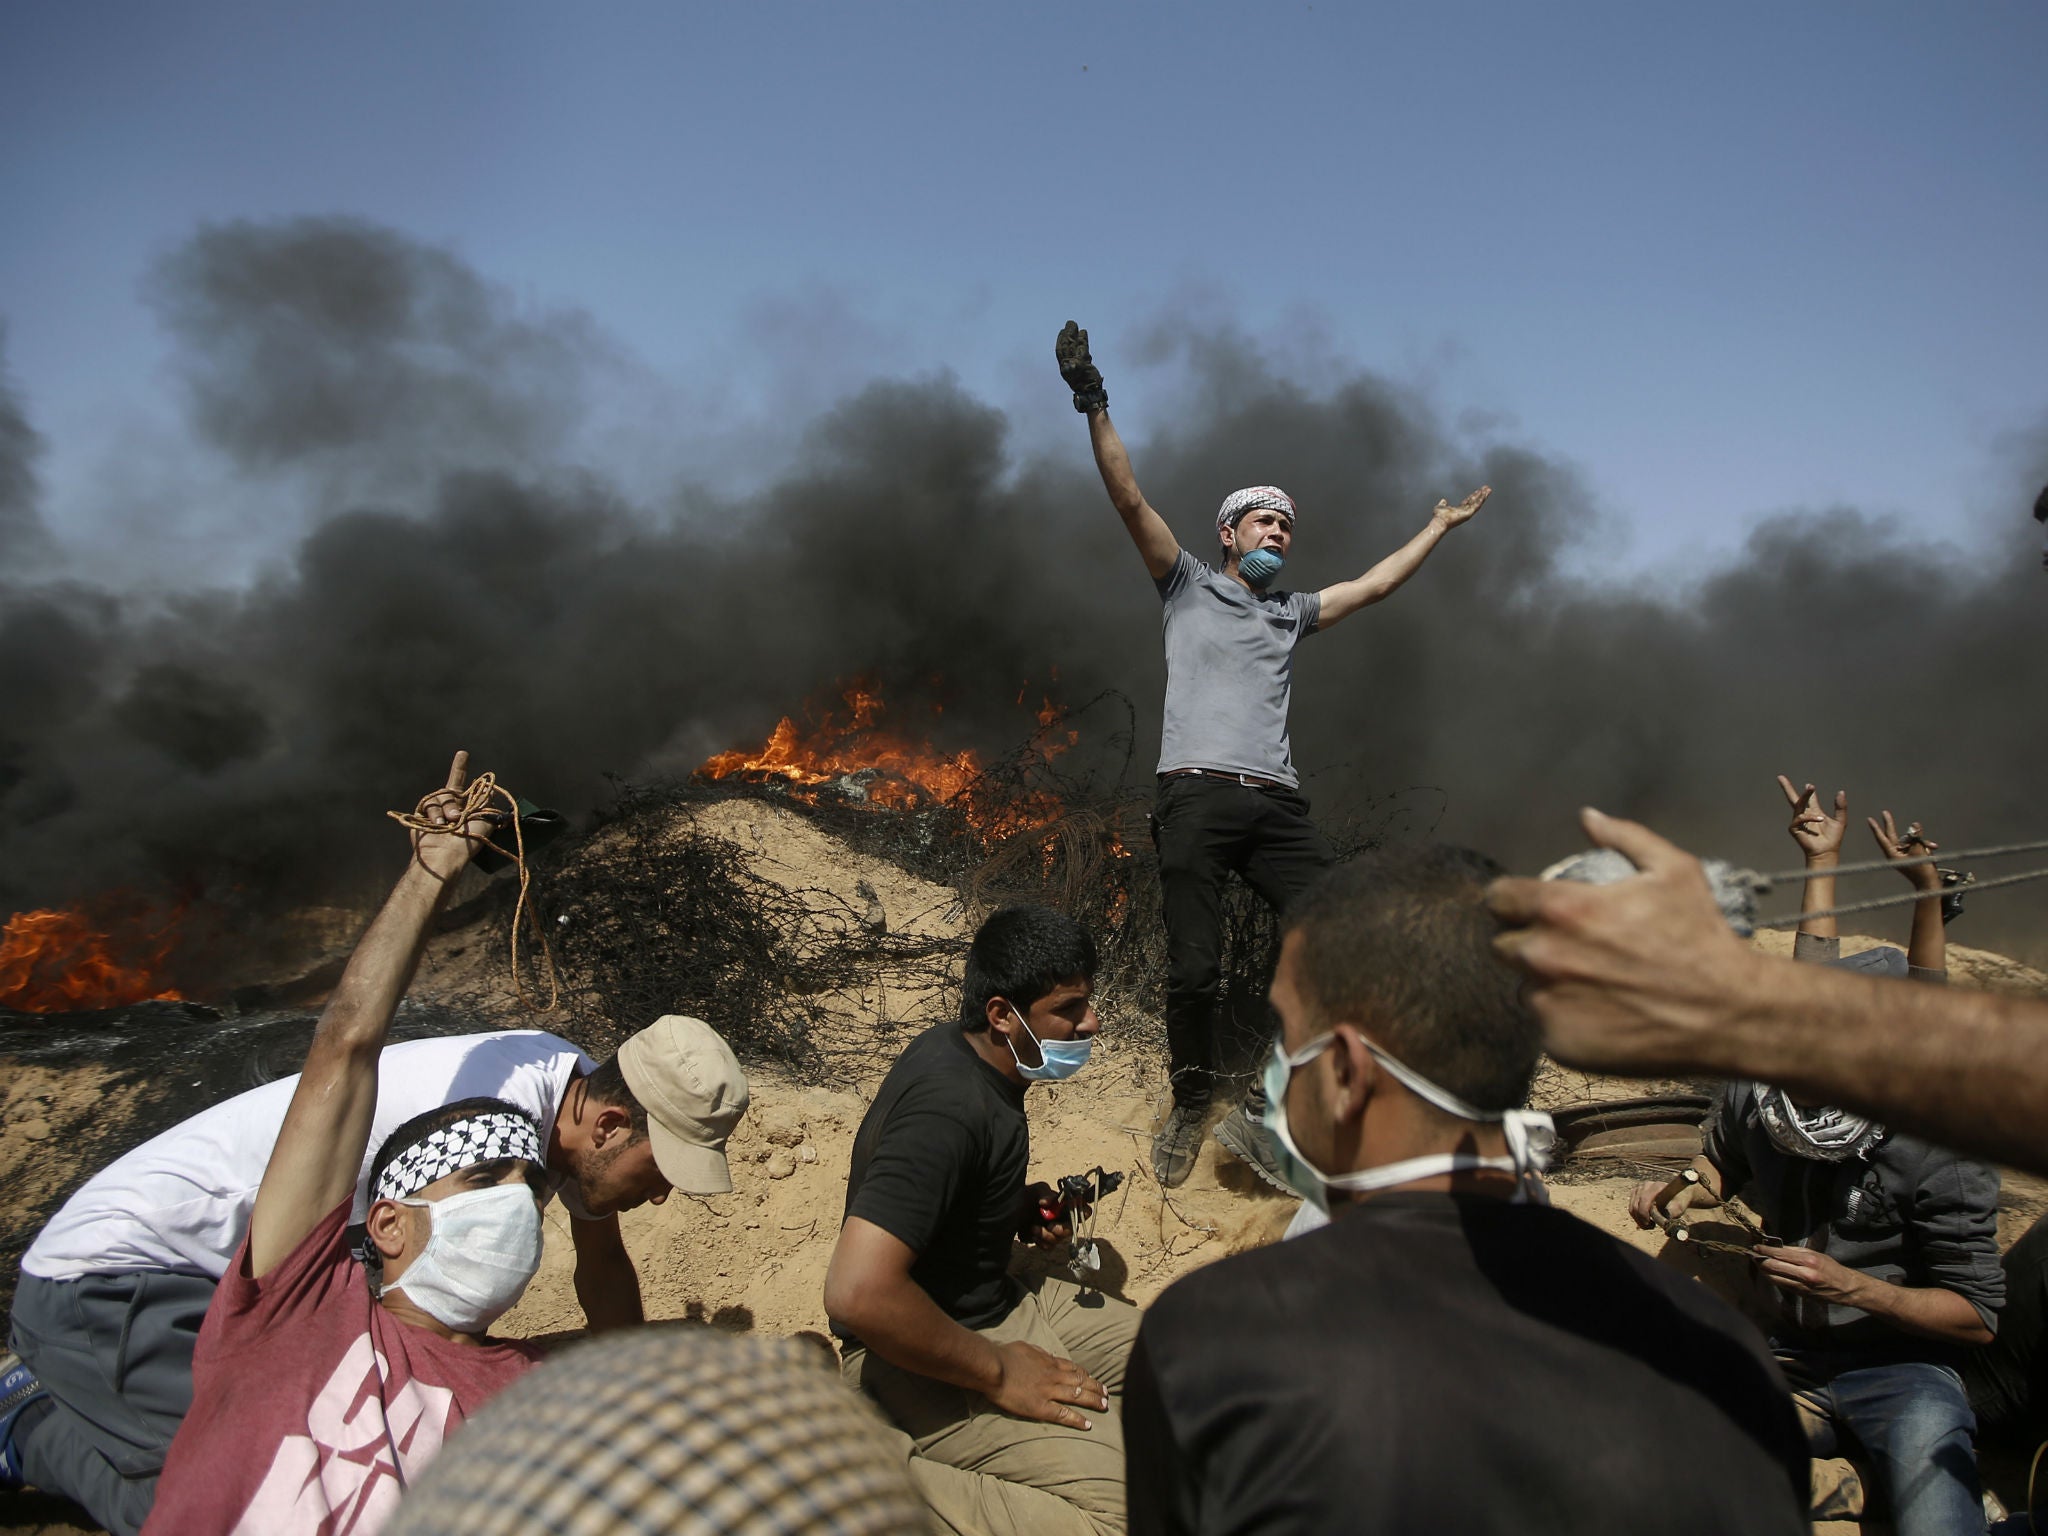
pixel 1819 896
pixel 608 1289
pixel 1926 1310
pixel 358 1014
pixel 903 1325
pixel 1156 543
pixel 1113 463
pixel 1967 1070
pixel 1385 577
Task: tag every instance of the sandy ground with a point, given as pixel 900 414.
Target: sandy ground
pixel 756 1258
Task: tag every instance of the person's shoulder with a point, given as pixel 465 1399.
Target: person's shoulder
pixel 938 1074
pixel 1278 1274
pixel 1924 1162
pixel 511 1046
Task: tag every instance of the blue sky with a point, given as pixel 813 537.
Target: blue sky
pixel 1727 260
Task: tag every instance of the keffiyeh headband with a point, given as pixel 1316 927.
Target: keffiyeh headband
pixel 1253 498
pixel 1823 1134
pixel 479 1138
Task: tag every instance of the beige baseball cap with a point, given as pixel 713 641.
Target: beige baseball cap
pixel 690 1083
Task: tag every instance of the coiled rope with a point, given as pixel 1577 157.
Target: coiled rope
pixel 481 802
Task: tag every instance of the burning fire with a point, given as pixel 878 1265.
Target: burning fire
pixel 904 774
pixel 889 770
pixel 106 954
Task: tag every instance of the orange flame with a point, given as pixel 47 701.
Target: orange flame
pixel 893 771
pixel 105 954
pixel 905 774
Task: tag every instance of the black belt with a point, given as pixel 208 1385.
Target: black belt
pixel 1248 780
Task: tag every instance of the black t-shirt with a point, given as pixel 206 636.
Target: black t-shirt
pixel 1448 1363
pixel 940 1163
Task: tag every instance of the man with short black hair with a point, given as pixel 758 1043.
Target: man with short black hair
pixel 1006 1388
pixel 1450 1352
pixel 1229 798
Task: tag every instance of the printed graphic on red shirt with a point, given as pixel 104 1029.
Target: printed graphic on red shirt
pixel 345 1475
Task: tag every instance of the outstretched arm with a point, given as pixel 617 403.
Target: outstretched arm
pixel 1148 530
pixel 1927 950
pixel 1385 578
pixel 319 1152
pixel 1644 978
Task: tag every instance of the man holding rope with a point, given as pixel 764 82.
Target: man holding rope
pixel 113 1290
pixel 1229 798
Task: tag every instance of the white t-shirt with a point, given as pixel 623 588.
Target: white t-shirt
pixel 182 1200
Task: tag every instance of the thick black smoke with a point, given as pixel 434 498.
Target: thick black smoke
pixel 22 535
pixel 517 606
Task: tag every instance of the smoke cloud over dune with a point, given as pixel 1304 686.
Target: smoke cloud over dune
pixel 464 584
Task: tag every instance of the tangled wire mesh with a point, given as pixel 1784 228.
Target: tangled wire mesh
pixel 652 914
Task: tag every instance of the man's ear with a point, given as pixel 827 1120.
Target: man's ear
pixel 388 1225
pixel 997 1012
pixel 1357 1074
pixel 610 1122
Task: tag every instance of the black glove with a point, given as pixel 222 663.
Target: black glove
pixel 1079 370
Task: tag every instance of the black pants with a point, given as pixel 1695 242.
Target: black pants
pixel 1204 829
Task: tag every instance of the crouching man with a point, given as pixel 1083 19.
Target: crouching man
pixel 1007 1390
pixel 1886 1259
pixel 1449 1353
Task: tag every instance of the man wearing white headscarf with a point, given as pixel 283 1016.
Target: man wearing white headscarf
pixel 1229 797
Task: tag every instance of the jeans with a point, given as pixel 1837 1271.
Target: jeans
pixel 1912 1420
pixel 1204 829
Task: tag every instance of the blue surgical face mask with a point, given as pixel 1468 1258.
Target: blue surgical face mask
pixel 1529 1134
pixel 1058 1059
pixel 1260 567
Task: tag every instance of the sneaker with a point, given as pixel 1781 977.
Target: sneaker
pixel 1178 1144
pixel 1244 1137
pixel 18 1390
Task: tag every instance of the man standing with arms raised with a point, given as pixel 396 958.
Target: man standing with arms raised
pixel 1229 797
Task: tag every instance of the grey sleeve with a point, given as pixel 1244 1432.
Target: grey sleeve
pixel 1309 605
pixel 1175 581
pixel 1955 1222
pixel 1927 976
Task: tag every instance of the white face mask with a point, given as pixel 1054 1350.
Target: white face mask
pixel 483 1247
pixel 1529 1133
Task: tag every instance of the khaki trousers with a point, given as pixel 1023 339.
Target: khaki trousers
pixel 985 1473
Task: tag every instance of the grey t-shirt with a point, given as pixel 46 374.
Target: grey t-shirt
pixel 1229 670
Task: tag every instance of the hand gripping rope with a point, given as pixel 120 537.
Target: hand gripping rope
pixel 478 804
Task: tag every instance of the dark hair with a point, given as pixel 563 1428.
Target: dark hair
pixel 1399 942
pixel 608 1085
pixel 1022 953
pixel 420 1127
pixel 2041 506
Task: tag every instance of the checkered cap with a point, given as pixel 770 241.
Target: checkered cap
pixel 480 1138
pixel 675 1428
pixel 1253 498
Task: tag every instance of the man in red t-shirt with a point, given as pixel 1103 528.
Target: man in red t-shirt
pixel 320 1387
